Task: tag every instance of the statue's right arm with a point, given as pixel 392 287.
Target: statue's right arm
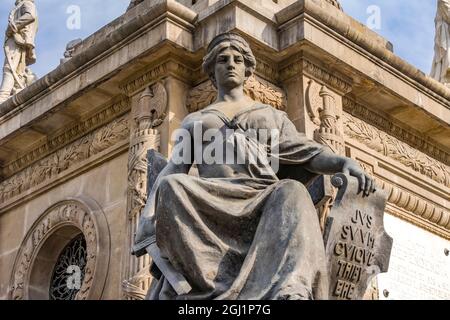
pixel 28 17
pixel 146 233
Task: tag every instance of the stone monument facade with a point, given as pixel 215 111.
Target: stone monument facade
pixel 72 166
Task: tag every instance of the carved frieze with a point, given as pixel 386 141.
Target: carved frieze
pixel 382 123
pixel 62 159
pixel 69 135
pixel 392 147
pixel 302 66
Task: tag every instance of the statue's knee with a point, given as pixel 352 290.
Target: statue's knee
pixel 292 188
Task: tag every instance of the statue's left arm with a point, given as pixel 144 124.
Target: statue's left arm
pixel 327 162
pixel 296 149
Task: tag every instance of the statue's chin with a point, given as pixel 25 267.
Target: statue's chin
pixel 231 83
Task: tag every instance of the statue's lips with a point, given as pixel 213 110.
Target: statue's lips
pixel 232 74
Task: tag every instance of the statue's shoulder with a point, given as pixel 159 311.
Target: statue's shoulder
pixel 190 119
pixel 270 111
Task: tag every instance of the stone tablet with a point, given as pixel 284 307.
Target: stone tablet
pixel 357 246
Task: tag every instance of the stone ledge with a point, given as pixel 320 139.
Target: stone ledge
pixel 361 36
pixel 98 45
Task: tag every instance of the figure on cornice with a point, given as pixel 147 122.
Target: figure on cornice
pixel 441 64
pixel 19 48
pixel 134 3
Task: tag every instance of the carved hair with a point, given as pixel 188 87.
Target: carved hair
pixel 222 42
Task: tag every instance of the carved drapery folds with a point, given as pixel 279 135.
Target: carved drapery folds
pixel 148 114
pixel 83 215
pixel 256 88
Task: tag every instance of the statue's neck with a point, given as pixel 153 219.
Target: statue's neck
pixel 231 95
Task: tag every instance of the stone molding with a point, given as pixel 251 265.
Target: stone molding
pixel 76 131
pixel 61 160
pixel 83 214
pixel 393 148
pixel 382 123
pixel 416 210
pixel 367 40
pixel 100 44
pixel 156 73
pixel 304 66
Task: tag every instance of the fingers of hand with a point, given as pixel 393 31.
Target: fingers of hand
pixel 362 182
pixel 368 185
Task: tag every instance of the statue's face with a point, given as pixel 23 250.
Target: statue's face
pixel 229 69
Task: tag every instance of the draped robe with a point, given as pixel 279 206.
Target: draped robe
pixel 238 231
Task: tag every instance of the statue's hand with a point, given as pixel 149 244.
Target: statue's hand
pixel 146 232
pixel 366 182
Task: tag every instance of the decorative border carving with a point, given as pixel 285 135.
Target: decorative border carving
pixel 61 160
pixel 314 71
pixel 256 88
pixel 426 215
pixel 168 67
pixel 85 215
pixel 391 147
pixel 148 115
pixel 387 126
pixel 67 136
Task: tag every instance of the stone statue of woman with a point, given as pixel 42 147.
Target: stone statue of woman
pixel 441 64
pixel 19 48
pixel 237 229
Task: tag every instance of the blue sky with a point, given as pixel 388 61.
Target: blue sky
pixel 408 24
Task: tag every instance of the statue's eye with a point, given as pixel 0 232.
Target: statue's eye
pixel 239 59
pixel 222 59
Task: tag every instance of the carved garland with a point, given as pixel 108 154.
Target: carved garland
pixel 63 159
pixel 391 147
pixel 321 75
pixel 67 136
pixel 384 124
pixel 256 88
pixel 66 213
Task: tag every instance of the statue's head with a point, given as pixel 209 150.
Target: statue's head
pixel 229 60
pixel 19 1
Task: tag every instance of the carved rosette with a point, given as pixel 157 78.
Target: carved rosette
pixel 148 115
pixel 81 214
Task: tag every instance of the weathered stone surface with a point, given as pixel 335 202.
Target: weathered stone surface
pixel 357 246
